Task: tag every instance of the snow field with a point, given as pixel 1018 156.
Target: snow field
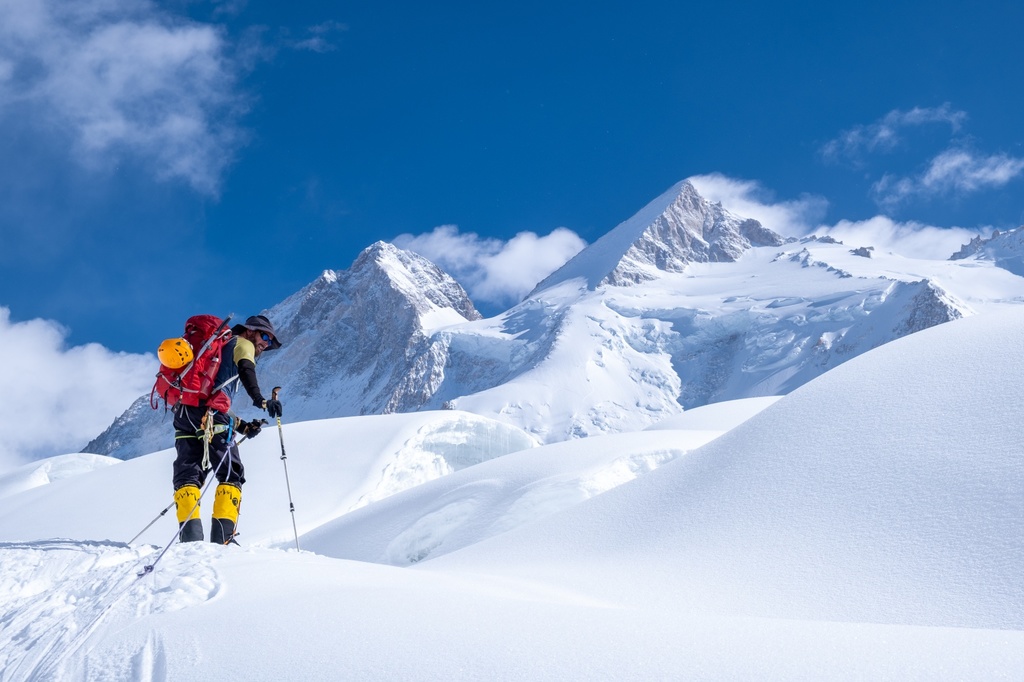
pixel 866 526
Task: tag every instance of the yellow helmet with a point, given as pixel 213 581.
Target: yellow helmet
pixel 174 353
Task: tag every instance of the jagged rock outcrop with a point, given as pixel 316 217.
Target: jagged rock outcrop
pixel 1005 249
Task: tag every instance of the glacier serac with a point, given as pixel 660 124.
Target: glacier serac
pixel 682 305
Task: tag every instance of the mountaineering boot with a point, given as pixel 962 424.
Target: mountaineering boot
pixel 225 514
pixel 186 500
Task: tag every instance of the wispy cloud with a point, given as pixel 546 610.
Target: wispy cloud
pixel 230 8
pixel 492 270
pixel 320 38
pixel 954 171
pixel 750 199
pixel 55 398
pixel 886 134
pixel 124 79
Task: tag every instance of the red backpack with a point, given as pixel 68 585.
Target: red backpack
pixel 194 383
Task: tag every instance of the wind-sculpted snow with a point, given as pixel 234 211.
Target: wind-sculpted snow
pixel 521 488
pixel 44 471
pixel 494 497
pixel 444 446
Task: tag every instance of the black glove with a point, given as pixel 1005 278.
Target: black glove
pixel 250 429
pixel 274 407
pixel 260 403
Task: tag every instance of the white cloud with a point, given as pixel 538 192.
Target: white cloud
pixel 911 239
pixel 802 217
pixel 885 134
pixel 960 170
pixel 749 199
pixel 55 399
pixel 954 171
pixel 123 78
pixel 492 270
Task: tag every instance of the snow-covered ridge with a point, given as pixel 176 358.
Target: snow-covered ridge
pixel 1005 249
pixel 682 305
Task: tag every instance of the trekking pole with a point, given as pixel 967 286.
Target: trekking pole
pixel 276 413
pixel 166 509
pixel 149 568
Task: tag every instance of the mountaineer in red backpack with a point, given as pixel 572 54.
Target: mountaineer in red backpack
pixel 199 376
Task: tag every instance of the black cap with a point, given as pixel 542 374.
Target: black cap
pixel 259 323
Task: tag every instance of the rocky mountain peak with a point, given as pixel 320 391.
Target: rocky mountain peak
pixel 677 228
pixel 362 326
pixel 417 279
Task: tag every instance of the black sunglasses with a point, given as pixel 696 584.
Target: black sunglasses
pixel 265 337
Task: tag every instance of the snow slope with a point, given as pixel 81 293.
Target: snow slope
pixel 866 526
pixel 889 490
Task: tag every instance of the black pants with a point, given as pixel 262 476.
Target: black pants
pixel 188 466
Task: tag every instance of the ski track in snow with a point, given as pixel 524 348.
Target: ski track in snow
pixel 56 595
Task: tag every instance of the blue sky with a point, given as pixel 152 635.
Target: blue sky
pixel 162 159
